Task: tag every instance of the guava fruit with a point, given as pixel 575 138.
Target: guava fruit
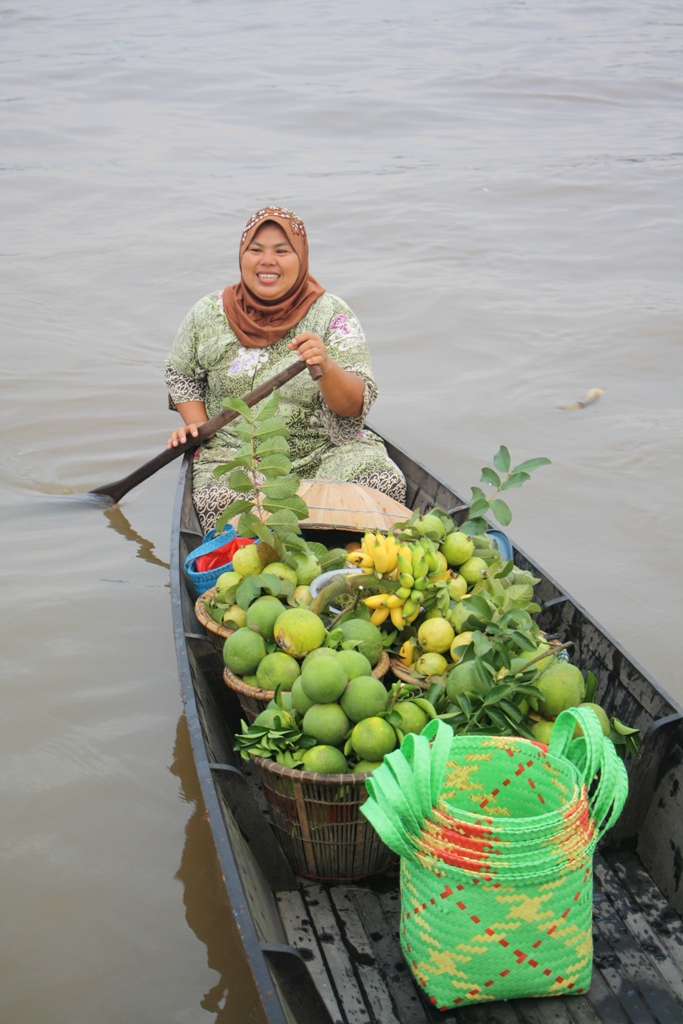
pixel 457 548
pixel 246 560
pixel 307 568
pixel 282 571
pixel 473 569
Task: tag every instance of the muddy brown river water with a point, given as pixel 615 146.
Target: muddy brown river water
pixel 495 188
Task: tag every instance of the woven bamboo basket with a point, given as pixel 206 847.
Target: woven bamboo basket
pixel 253 699
pixel 218 633
pixel 338 505
pixel 318 823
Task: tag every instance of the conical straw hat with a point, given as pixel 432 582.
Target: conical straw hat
pixel 337 504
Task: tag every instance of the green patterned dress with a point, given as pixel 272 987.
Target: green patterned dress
pixel 208 363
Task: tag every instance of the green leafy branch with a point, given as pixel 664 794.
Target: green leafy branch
pixel 475 523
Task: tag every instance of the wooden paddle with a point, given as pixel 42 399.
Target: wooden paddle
pixel 117 490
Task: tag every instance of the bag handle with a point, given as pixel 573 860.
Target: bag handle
pixel 440 736
pixel 210 543
pixel 395 782
pixel 385 821
pixel 419 756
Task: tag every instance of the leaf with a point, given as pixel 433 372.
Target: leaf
pixel 531 464
pixel 247 591
pixel 489 476
pixel 466 704
pixel 239 406
pixel 272 446
pixel 273 585
pixel 293 543
pixel 483 671
pixel 284 522
pixel 235 509
pixel 505 571
pixel 478 507
pixel 244 433
pixel 624 730
pixel 482 645
pixel 333 638
pixel 477 603
pixel 274 427
pixel 478 493
pixel 501 460
pixel 501 511
pixel 515 480
pixel 497 692
pixel 245 461
pixel 522 641
pixel 239 481
pixel 511 710
pixel 591 687
pixel 275 464
pixel 283 487
pixel 474 527
pixel 246 524
pixel 498 718
pixel 294 503
pixel 269 407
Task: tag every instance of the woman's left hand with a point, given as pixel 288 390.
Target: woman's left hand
pixel 311 349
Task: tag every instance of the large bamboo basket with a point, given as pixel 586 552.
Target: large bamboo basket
pixel 338 505
pixel 217 632
pixel 253 699
pixel 318 823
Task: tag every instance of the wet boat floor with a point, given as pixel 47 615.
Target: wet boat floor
pixel 348 935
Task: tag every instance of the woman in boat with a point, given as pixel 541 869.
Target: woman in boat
pixel 231 341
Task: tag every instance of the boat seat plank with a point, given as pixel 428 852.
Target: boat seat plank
pixel 334 951
pixel 363 957
pixel 301 935
pixel 637 885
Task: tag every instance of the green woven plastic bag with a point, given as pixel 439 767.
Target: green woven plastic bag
pixel 496 837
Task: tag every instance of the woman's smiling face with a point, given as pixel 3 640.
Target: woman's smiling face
pixel 269 265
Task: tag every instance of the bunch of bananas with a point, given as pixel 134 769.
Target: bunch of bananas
pixel 420 570
pixel 377 554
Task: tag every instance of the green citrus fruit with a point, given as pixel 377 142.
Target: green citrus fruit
pixel 225 582
pixel 327 723
pixel 243 651
pixel 298 632
pixel 250 680
pixel 277 669
pixel 368 636
pixel 355 663
pixel 263 614
pixel 302 595
pixel 435 635
pixel 286 698
pixel 473 569
pixel 246 560
pixel 372 738
pixel 319 652
pixel 602 718
pixel 325 760
pixel 541 665
pixel 457 548
pixel 299 699
pixel 464 678
pixel 307 568
pixel 542 731
pixel 561 686
pixel 364 697
pixel 431 664
pixel 324 680
pixel 413 717
pixel 366 766
pixel 235 614
pixel 267 717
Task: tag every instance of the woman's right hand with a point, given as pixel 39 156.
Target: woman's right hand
pixel 180 435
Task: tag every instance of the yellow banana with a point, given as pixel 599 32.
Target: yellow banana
pixel 369 544
pixel 407 579
pixel 379 615
pixel 360 559
pixel 381 556
pixel 375 600
pixel 397 617
pixel 411 618
pixel 404 593
pixel 442 576
pixel 405 566
pixel 394 601
pixel 392 551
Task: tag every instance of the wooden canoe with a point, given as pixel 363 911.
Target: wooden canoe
pixel 329 954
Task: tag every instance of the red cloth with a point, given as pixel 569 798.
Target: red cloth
pixel 221 556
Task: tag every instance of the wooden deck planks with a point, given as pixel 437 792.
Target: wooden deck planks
pixel 301 934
